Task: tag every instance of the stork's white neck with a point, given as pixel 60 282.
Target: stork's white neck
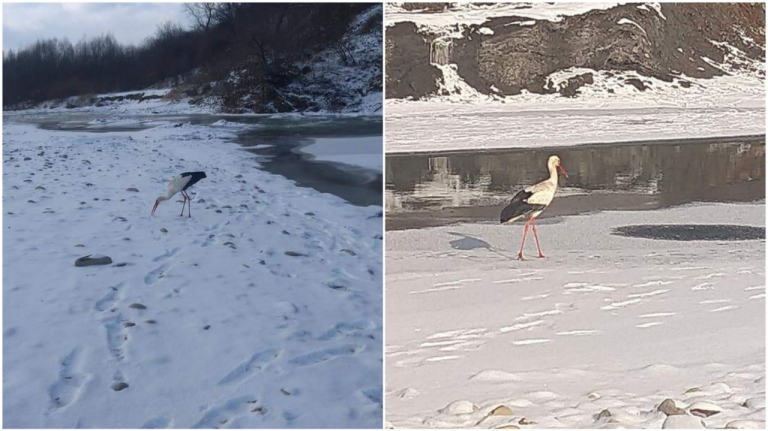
pixel 553 174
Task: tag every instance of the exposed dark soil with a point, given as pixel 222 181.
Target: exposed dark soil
pixel 519 57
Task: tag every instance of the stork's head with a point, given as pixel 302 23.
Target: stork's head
pixel 157 202
pixel 554 164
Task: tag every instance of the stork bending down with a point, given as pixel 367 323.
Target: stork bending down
pixel 532 201
pixel 180 184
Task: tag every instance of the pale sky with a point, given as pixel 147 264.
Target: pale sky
pixel 24 23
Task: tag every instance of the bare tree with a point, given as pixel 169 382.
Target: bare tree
pixel 202 14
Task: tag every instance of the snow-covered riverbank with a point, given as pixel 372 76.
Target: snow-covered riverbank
pixel 262 310
pixel 720 107
pixel 596 335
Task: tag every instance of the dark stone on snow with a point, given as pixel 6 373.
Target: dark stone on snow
pixel 89 261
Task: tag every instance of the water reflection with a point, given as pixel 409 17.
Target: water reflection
pixel 655 174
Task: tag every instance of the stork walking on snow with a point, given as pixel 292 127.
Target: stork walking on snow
pixel 532 201
pixel 180 184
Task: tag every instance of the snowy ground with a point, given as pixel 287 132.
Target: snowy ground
pixel 604 323
pixel 360 151
pixel 262 310
pixel 720 107
pixel 469 13
pixel 125 107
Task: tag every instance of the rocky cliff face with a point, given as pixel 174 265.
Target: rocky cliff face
pixel 523 49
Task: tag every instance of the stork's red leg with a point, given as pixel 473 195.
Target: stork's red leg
pixel 189 209
pixel 536 235
pixel 525 232
pixel 183 204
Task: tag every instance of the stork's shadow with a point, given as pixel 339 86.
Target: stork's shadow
pixel 468 243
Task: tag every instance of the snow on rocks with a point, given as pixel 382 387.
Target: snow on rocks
pixel 704 409
pixel 459 407
pixel 188 316
pixel 682 422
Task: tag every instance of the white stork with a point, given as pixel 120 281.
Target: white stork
pixel 533 200
pixel 180 184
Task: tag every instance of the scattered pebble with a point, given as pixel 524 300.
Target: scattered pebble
pixel 207 327
pixel 704 409
pixel 137 306
pixel 669 407
pixel 295 254
pixel 349 252
pixel 150 321
pixel 605 413
pixel 129 324
pixel 501 411
pixel 131 189
pixel 119 386
pixel 120 265
pixel 93 260
pixel 163 230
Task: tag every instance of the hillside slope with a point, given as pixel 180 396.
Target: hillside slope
pixel 343 75
pixel 507 49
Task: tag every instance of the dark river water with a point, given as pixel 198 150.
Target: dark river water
pixel 277 140
pixel 436 189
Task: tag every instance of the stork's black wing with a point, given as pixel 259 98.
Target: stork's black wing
pixel 195 177
pixel 519 207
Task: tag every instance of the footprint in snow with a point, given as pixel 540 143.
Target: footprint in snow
pixel 70 382
pixel 158 423
pixel 326 355
pixel 253 365
pixel 109 300
pixel 221 415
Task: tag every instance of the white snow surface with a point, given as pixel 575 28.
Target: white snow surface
pixel 466 14
pixel 359 151
pixel 230 332
pixel 603 323
pixel 164 105
pixel 731 105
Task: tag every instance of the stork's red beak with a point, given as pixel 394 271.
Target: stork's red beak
pixel 154 207
pixel 562 170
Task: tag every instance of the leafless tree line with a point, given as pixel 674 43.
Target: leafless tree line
pixel 222 37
